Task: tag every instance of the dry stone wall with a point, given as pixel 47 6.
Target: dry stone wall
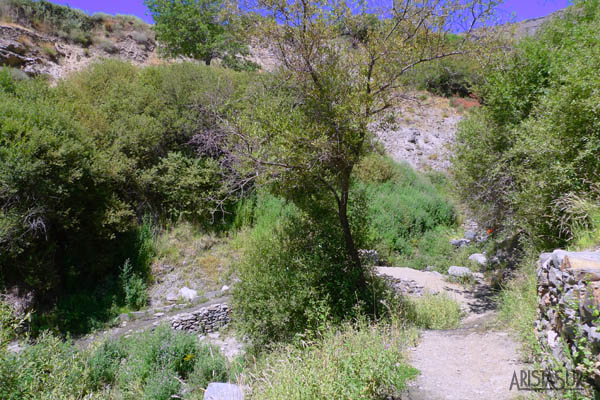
pixel 204 320
pixel 568 285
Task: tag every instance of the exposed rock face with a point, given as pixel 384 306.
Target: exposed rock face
pixel 419 132
pixel 40 54
pixel 205 320
pixel 568 285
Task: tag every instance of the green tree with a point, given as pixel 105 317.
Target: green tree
pixel 305 136
pixel 197 29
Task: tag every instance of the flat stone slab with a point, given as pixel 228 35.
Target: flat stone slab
pixel 223 391
pixel 459 271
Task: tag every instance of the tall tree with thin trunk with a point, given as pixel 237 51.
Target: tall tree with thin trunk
pixel 306 135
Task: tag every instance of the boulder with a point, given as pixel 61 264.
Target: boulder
pixel 223 391
pixel 460 242
pixel 188 294
pixel 459 272
pixel 470 235
pixel 478 258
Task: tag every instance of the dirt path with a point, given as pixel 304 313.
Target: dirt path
pixel 473 362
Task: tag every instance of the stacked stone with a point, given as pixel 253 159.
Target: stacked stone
pixel 204 320
pixel 568 285
pixel 404 286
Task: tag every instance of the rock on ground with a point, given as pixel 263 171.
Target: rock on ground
pixel 223 391
pixel 188 294
pixel 459 272
pixel 478 258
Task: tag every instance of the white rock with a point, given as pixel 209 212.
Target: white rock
pixel 478 258
pixel 172 297
pixel 187 293
pixel 459 271
pixel 223 391
pixel 225 288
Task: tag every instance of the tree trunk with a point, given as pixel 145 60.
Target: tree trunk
pixel 207 60
pixel 351 249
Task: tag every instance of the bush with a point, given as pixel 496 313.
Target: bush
pixel 535 141
pixel 293 274
pixel 108 46
pixel 149 365
pixel 437 311
pixel 403 205
pixel 134 287
pixel 352 362
pixel 452 76
pixel 50 369
pixel 81 163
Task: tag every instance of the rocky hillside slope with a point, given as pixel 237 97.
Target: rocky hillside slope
pixel 45 54
pixel 55 40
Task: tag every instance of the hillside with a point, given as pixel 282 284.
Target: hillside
pixel 41 38
pixel 377 212
pixel 55 40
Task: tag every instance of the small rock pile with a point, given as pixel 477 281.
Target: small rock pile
pixel 368 256
pixel 568 285
pixel 204 320
pixel 404 286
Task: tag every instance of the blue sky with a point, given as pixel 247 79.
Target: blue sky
pixel 521 9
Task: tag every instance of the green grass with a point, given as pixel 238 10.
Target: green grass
pixel 518 305
pixel 149 365
pixel 351 362
pixel 437 311
pixel 405 209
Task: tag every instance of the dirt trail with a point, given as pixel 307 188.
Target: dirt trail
pixel 473 362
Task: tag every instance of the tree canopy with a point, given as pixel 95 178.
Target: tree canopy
pixel 308 132
pixel 197 29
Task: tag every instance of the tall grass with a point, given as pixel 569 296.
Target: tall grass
pixel 351 362
pixel 404 207
pixel 518 305
pixel 150 365
pixel 437 311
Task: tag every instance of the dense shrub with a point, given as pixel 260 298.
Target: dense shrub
pixel 453 76
pixel 402 205
pixel 293 275
pixel 536 142
pixel 82 163
pixel 56 200
pixel 50 369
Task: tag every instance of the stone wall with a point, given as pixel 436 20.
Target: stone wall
pixel 204 320
pixel 568 285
